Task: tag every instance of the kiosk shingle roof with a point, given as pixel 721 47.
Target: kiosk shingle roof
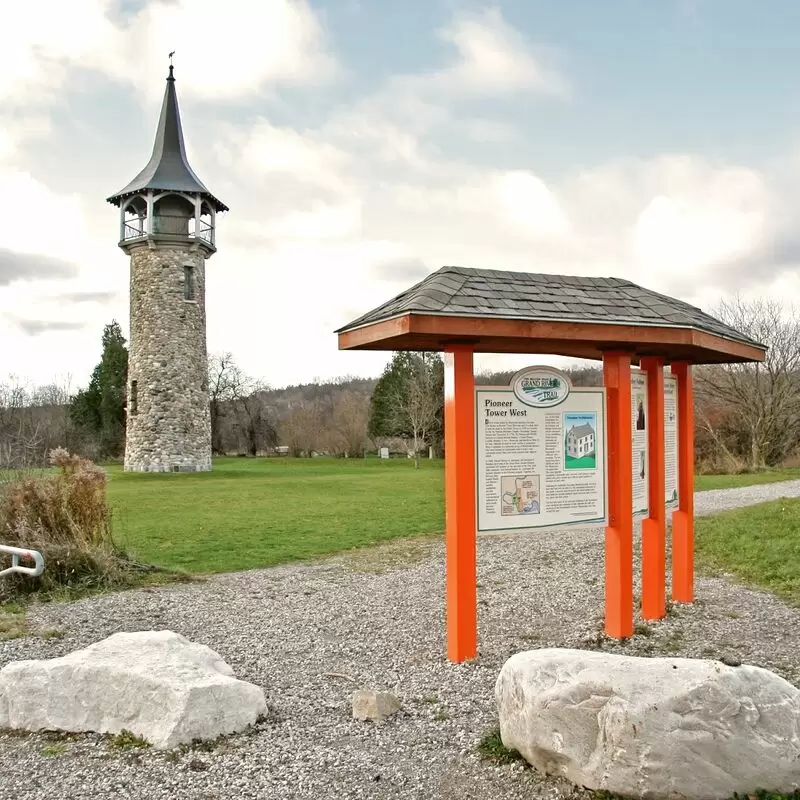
pixel 460 291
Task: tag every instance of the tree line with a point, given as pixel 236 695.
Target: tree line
pixel 746 414
pixel 347 416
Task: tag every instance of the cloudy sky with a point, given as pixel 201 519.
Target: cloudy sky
pixel 362 144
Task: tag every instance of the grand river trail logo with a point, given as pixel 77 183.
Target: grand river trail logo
pixel 541 387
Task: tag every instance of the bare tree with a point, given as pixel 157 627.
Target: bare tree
pixel 223 376
pixel 349 416
pixel 754 409
pixel 242 401
pixel 51 404
pixel 255 416
pixel 21 440
pixel 302 429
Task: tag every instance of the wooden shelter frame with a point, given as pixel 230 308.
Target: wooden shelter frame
pixel 619 346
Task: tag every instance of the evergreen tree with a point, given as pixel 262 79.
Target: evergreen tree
pixel 100 408
pixel 383 420
pixel 408 400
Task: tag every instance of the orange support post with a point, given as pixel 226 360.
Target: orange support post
pixel 461 525
pixel 654 527
pixel 683 518
pixel 619 533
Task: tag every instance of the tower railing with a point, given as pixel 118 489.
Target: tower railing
pixel 134 228
pixel 206 232
pixel 169 224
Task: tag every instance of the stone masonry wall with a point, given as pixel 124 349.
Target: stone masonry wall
pixel 169 425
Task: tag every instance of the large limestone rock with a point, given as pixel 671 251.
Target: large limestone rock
pixel 651 727
pixel 156 684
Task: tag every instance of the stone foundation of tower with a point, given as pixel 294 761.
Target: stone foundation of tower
pixel 168 419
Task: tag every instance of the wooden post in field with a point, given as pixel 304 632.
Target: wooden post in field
pixel 654 527
pixel 683 518
pixel 619 533
pixel 461 530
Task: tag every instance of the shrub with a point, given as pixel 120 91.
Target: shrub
pixel 64 514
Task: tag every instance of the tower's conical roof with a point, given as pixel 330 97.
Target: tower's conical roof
pixel 168 168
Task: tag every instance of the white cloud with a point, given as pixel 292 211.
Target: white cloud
pixel 529 205
pixel 48 252
pixel 384 128
pixel 306 184
pixel 493 57
pixel 320 218
pixel 329 221
pixel 676 222
pixel 469 204
pixel 428 210
pixel 694 233
pixel 232 50
pixel 36 219
pixel 486 58
pixel 19 127
pixel 40 39
pixel 488 130
pixel 661 221
pixel 705 219
pixel 265 151
pixel 276 305
pixel 321 222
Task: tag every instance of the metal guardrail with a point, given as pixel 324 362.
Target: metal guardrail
pixel 137 228
pixel 16 554
pixel 133 230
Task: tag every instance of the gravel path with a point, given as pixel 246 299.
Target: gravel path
pixel 376 615
pixel 721 499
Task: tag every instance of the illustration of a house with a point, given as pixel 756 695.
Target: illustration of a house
pixel 580 441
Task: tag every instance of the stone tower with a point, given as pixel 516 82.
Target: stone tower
pixel 167 227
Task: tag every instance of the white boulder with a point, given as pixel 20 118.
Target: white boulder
pixel 155 684
pixel 651 727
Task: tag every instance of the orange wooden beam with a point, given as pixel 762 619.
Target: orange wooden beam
pixel 654 527
pixel 683 517
pixel 619 533
pixel 461 524
pixel 545 330
pixel 374 333
pixel 429 330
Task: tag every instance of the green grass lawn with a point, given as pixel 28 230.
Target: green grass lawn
pixel 251 513
pixel 704 482
pixel 759 545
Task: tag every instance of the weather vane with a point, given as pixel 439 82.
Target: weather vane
pixel 170 57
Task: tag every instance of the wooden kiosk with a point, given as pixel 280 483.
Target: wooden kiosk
pixel 463 311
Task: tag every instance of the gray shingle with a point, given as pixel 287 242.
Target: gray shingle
pixel 458 291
